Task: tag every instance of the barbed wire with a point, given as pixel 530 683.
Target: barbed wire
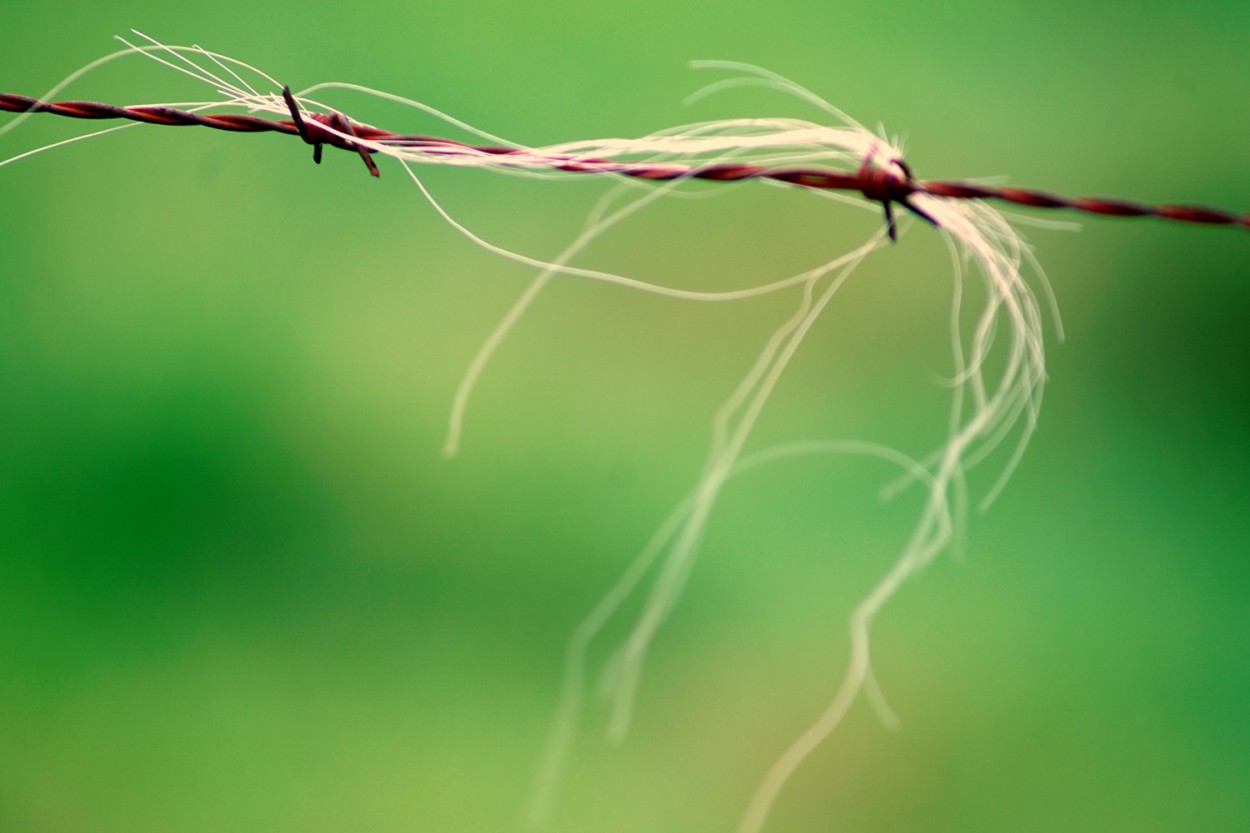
pixel 877 184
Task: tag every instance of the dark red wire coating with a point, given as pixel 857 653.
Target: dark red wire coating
pixel 872 186
pixel 145 113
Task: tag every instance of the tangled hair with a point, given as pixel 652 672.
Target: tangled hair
pixel 997 351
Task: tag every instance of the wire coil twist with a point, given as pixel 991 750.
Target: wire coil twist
pixel 876 184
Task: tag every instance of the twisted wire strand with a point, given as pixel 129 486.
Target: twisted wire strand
pixel 874 183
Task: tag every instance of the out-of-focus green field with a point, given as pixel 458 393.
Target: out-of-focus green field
pixel 240 589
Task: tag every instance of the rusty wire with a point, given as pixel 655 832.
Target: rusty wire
pixel 874 183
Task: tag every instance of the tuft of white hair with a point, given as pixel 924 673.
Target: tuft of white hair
pixel 986 406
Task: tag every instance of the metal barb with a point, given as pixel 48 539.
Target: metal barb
pixel 340 122
pixel 887 187
pixel 919 212
pixel 297 117
pixel 337 121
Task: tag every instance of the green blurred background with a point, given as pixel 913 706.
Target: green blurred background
pixel 240 590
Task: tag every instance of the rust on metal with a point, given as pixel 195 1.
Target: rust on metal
pixel 888 185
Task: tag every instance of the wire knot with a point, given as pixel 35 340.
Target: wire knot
pixel 326 129
pixel 889 184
